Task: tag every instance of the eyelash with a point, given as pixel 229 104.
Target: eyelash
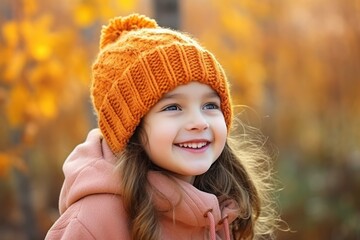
pixel 214 106
pixel 167 108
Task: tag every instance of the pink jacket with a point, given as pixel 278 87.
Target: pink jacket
pixel 91 206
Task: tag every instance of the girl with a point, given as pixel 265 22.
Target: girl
pixel 162 164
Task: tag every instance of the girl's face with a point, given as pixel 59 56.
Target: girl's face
pixel 186 131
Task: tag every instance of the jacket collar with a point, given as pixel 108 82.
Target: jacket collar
pixel 182 202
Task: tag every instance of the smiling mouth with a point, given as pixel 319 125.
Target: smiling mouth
pixel 196 145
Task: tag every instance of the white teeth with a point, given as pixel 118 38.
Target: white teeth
pixel 192 145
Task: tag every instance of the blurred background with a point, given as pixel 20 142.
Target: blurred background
pixel 296 64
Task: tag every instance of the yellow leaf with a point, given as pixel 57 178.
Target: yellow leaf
pixel 84 15
pixel 127 5
pixel 239 25
pixel 14 66
pixel 36 75
pixel 30 7
pixel 79 63
pixel 16 105
pixel 10 34
pixel 38 38
pixel 106 12
pixel 49 74
pixel 55 69
pixel 41 51
pixel 46 102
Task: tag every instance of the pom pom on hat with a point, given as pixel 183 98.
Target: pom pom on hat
pixel 137 64
pixel 118 25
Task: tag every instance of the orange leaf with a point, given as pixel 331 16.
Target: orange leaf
pixel 5 164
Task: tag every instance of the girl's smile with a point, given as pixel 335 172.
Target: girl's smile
pixel 186 130
pixel 195 146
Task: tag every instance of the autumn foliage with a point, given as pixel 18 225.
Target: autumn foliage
pixel 295 64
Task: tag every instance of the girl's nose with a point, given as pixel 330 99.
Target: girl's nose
pixel 197 122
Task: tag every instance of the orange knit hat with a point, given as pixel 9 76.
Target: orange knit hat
pixel 137 64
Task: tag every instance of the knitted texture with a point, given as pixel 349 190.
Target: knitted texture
pixel 137 64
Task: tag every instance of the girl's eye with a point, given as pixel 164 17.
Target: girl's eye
pixel 211 106
pixel 171 108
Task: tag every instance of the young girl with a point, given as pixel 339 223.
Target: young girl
pixel 162 164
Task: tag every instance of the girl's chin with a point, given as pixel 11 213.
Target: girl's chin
pixel 191 174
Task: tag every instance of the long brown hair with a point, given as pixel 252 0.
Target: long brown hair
pixel 242 172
